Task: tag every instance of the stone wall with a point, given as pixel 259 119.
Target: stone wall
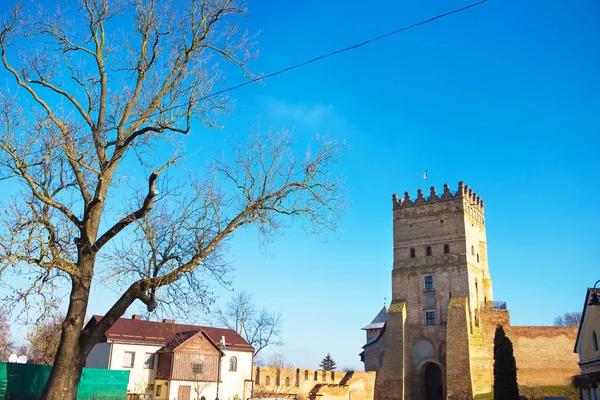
pixel 299 382
pixel 544 354
pixel 458 372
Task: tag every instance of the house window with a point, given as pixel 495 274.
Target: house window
pixel 477 257
pixel 428 282
pixel 306 375
pixel 472 250
pixel 197 368
pixel 128 359
pixel 267 380
pixel 158 390
pixel 149 361
pixel 446 249
pixel 594 341
pixel 287 381
pixel 412 252
pixel 233 364
pixel 428 250
pixel 429 317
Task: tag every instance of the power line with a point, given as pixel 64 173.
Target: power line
pixel 355 46
pixel 313 60
pixel 322 57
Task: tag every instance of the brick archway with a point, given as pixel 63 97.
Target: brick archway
pixel 432 378
pixel 425 385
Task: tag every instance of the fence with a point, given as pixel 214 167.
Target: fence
pixel 26 382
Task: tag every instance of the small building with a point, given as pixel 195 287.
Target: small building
pixel 168 360
pixel 586 346
pixel 374 357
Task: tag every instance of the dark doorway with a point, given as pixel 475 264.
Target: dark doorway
pixel 433 382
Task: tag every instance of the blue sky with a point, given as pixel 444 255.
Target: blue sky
pixel 503 96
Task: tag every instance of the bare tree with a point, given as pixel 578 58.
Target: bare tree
pixel 6 343
pixel 277 360
pixel 43 339
pixel 260 328
pixel 92 107
pixel 568 319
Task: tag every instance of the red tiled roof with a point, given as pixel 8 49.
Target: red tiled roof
pixel 163 333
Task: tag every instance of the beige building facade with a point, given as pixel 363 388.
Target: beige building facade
pixel 438 337
pixel 587 348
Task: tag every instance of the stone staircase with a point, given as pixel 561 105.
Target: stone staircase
pixel 346 378
pixel 314 393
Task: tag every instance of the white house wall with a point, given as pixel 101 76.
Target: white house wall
pixel 233 382
pixel 139 377
pixel 99 356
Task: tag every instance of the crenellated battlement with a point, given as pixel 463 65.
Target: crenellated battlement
pixel 464 192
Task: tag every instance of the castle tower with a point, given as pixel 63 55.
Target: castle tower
pixel 440 280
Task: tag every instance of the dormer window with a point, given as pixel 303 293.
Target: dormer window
pixel 428 250
pixel 413 253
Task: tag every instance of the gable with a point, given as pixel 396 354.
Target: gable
pixel 198 344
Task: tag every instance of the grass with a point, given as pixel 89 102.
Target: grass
pixel 538 392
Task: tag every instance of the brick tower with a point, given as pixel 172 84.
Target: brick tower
pixel 440 280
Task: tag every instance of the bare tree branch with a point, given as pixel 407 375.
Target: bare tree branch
pixel 92 199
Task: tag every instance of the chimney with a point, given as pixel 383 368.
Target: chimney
pixel 136 316
pixel 168 321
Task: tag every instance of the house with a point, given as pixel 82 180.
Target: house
pixel 586 346
pixel 176 361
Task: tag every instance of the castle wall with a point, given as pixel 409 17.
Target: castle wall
pixel 544 354
pixel 458 374
pixel 390 382
pixel 302 381
pixel 360 387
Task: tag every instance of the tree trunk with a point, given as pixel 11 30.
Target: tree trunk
pixel 68 364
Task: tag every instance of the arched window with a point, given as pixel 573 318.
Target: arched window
pixel 412 252
pixel 428 250
pixel 202 398
pixel 594 341
pixel 233 364
pixel 306 375
pixel 446 249
pixel 472 250
pixel 287 381
pixel 267 380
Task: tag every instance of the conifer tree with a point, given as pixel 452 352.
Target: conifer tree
pixel 327 363
pixel 505 368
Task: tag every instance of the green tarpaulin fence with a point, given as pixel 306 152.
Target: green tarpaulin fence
pixel 26 382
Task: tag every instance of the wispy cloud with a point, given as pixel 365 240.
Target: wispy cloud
pixel 313 114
